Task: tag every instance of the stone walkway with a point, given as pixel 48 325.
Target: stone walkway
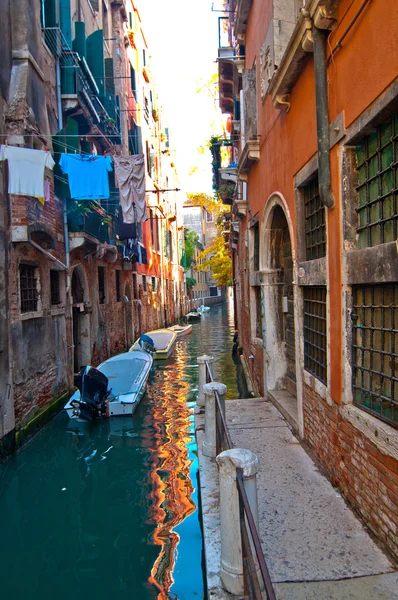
pixel 314 545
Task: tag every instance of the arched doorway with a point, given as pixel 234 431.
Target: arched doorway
pixel 277 265
pixel 81 320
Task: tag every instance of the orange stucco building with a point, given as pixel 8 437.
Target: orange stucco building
pixel 312 89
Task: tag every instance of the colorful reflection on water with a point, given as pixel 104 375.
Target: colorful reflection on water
pixel 111 510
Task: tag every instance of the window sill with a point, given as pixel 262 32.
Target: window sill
pixel 59 310
pixel 382 435
pixel 32 315
pixel 316 385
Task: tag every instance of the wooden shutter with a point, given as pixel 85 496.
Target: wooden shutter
pixel 66 20
pixel 95 58
pixel 79 43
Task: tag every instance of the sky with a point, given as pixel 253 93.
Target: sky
pixel 182 36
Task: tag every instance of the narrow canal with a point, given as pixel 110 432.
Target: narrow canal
pixel 112 511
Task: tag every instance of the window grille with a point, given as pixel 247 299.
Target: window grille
pixel 144 256
pixel 375 350
pixel 54 287
pixel 28 287
pixel 315 228
pixel 377 157
pixel 259 326
pixel 135 289
pixel 315 360
pixel 101 285
pixel 118 285
pixel 256 248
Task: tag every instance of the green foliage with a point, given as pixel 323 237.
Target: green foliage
pixel 191 241
pixel 190 281
pixel 86 207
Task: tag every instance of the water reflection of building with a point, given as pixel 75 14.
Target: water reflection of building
pixel 167 435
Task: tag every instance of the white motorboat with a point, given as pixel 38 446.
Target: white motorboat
pixel 203 308
pixel 163 341
pixel 114 388
pixel 181 330
pixel 193 316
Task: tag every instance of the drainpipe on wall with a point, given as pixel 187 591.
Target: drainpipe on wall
pixel 322 118
pixel 67 257
pixel 58 93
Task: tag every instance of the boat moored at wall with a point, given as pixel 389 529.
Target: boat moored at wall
pixel 114 389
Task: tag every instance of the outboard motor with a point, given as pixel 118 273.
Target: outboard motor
pixel 93 387
pixel 147 344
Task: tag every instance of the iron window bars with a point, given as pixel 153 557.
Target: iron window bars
pixel 118 283
pixel 375 350
pixel 101 285
pixel 315 360
pixel 315 228
pixel 377 177
pixel 28 288
pixel 54 287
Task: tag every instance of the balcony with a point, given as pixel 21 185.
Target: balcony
pixel 79 88
pixel 91 227
pixel 249 156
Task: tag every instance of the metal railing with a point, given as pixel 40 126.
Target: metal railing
pixel 249 534
pixel 77 80
pixel 104 229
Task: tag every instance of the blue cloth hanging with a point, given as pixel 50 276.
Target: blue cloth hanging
pixel 88 175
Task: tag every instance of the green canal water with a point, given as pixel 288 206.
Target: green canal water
pixel 111 511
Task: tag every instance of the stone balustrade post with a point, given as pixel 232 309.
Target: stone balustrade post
pixel 200 401
pixel 209 446
pixel 231 569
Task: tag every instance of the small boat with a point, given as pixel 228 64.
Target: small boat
pixel 114 388
pixel 203 308
pixel 163 341
pixel 193 316
pixel 181 330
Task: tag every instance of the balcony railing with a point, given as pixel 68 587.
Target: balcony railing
pixel 100 226
pixel 77 80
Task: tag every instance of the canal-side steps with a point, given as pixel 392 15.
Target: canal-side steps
pixel 314 546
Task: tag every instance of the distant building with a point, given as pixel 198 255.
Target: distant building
pixel 199 220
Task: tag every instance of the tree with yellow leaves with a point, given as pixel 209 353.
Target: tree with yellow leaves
pixel 214 256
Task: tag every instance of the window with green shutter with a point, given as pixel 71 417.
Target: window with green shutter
pixel 377 185
pixel 66 20
pixel 95 58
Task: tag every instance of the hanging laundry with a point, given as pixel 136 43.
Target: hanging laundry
pixel 130 174
pixel 87 174
pixel 126 230
pixel 47 190
pixel 26 170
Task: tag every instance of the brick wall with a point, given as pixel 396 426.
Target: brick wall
pixel 366 477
